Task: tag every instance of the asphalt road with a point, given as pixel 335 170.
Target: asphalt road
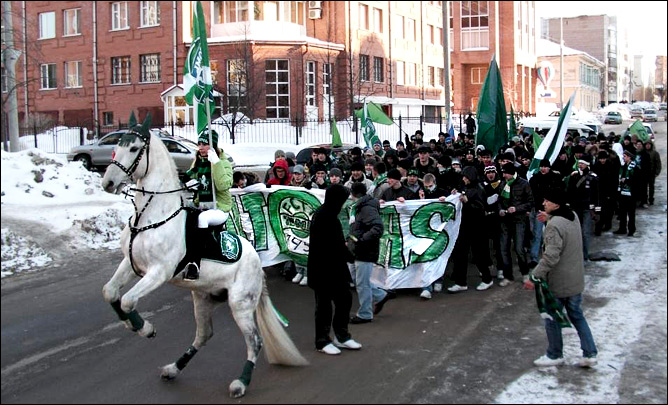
pixel 61 343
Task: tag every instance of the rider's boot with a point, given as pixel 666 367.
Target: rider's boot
pixel 197 248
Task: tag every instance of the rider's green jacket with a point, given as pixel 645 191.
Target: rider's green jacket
pixel 222 177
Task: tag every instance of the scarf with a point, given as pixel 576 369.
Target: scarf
pixel 505 193
pixel 548 306
pixel 382 178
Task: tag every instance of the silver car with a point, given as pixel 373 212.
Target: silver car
pixel 98 155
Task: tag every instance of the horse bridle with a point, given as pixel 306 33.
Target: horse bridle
pixel 145 147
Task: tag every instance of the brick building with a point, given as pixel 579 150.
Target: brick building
pixel 94 62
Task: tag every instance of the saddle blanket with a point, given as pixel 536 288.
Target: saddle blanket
pixel 219 245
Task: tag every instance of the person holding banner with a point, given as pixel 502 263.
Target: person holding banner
pixel 328 274
pixel 213 171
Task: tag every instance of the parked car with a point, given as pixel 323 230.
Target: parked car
pixel 613 117
pixel 636 112
pixel 304 155
pixel 662 107
pixel 649 115
pixel 98 155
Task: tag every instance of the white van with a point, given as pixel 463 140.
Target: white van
pixel 539 124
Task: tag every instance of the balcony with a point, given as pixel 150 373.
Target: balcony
pixel 258 30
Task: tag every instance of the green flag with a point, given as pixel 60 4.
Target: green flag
pixel 197 82
pixel 537 140
pixel 491 114
pixel 554 140
pixel 513 125
pixel 370 137
pixel 375 113
pixel 638 129
pixel 336 137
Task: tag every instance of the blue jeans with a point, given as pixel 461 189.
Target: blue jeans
pixel 555 348
pixel 367 292
pixel 537 228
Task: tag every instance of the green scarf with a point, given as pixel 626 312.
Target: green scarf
pixel 505 193
pixel 201 170
pixel 382 178
pixel 548 306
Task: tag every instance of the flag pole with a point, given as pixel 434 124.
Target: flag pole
pixel 211 145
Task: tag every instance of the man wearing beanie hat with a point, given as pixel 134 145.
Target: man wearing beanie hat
pixel 335 176
pixel 583 196
pixel 541 182
pixel 562 270
pixel 627 201
pixel 607 170
pixel 357 176
pixel 396 191
pixel 425 163
pixel 212 171
pixel 515 202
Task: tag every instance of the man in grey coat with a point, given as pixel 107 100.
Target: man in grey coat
pixel 562 266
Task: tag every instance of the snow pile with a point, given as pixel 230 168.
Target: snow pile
pixel 19 254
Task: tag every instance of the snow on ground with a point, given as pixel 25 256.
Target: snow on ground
pixel 20 254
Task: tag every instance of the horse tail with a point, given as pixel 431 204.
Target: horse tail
pixel 279 348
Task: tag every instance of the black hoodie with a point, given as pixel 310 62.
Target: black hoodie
pixel 473 211
pixel 328 254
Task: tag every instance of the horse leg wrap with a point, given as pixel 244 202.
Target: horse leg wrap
pixel 116 305
pixel 182 362
pixel 136 320
pixel 247 373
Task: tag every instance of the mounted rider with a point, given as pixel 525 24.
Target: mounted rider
pixel 210 171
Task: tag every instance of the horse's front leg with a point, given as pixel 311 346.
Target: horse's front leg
pixel 153 279
pixel 112 290
pixel 203 305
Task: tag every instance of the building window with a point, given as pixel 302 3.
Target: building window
pixel 150 13
pixel 150 68
pixel 108 118
pixel 47 25
pixel 119 16
pixel 410 74
pixel 272 11
pixel 120 70
pixel 477 75
pixel 431 33
pixel 401 67
pixel 378 20
pixel 431 79
pixel 364 17
pixel 439 37
pixel 71 23
pixel 73 74
pixel 475 25
pixel 310 83
pixel 410 29
pixel 236 85
pixel 364 68
pixel 378 69
pixel 441 77
pixel 48 76
pixel 277 75
pixel 400 29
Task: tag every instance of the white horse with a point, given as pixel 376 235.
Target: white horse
pixel 153 244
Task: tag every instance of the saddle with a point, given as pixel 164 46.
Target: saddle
pixel 213 243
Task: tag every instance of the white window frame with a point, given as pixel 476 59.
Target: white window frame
pixel 73 72
pixel 47 76
pixel 400 29
pixel 118 62
pixel 377 20
pixel 440 78
pixel 378 70
pixel 77 21
pixel 107 118
pixel 149 14
pixel 149 69
pixel 365 69
pixel 364 17
pixel 478 75
pixel 119 15
pixel 47 25
pixel 311 85
pixel 411 32
pixel 279 108
pixel 411 71
pixel 474 37
pixel 431 76
pixel 239 8
pixel 401 73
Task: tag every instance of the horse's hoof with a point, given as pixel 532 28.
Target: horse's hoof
pixel 169 372
pixel 148 331
pixel 237 389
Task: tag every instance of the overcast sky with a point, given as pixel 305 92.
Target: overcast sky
pixel 645 21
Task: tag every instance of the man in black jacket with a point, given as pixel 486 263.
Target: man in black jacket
pixel 582 194
pixel 607 170
pixel 328 273
pixel 364 243
pixel 542 181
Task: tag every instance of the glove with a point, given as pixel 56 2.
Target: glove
pixel 194 183
pixel 213 157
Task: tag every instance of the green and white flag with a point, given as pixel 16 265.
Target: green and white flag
pixel 197 81
pixel 553 141
pixel 638 129
pixel 370 137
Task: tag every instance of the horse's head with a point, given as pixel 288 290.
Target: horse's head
pixel 131 157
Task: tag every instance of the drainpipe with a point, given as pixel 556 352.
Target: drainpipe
pixel 96 111
pixel 25 62
pixel 176 80
pixel 422 83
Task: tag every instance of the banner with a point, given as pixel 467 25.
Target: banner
pixel 414 249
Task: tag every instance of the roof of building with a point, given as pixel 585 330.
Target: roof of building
pixel 547 48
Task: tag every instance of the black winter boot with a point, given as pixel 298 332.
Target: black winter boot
pixel 195 250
